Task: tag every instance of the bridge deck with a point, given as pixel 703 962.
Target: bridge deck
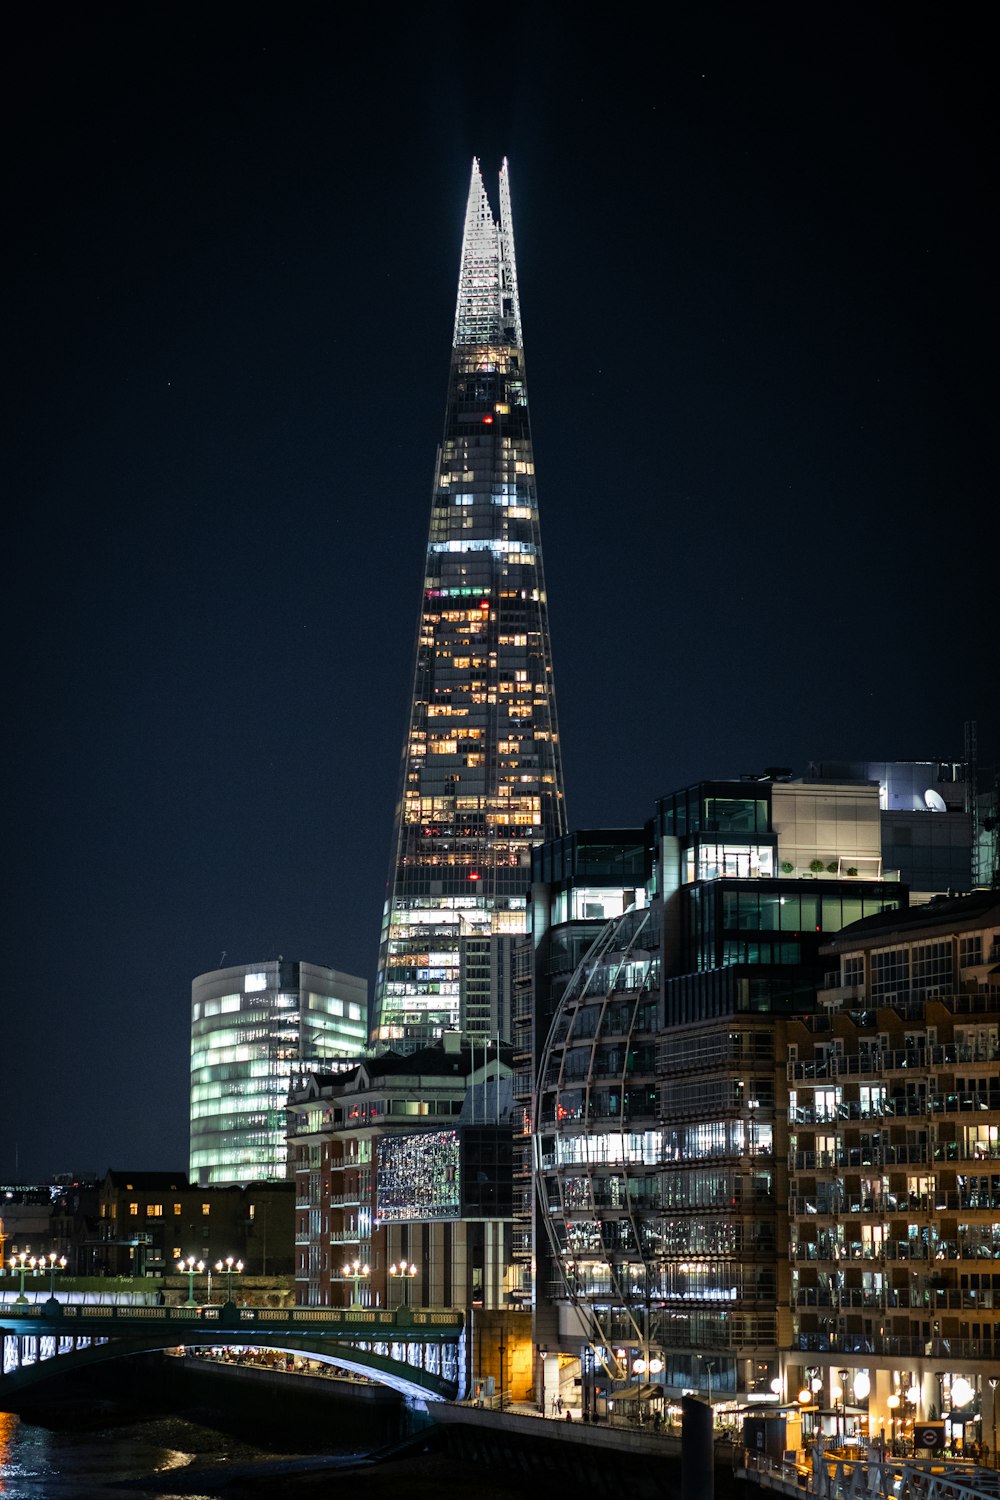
pixel 416 1350
pixel 424 1325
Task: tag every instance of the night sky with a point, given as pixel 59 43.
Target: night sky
pixel 752 249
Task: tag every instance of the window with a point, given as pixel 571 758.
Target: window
pixel 854 971
pixel 154 1210
pixel 970 951
pixel 177 1210
pixel 133 1209
pixel 206 1209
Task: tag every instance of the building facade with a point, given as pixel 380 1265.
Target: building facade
pixel 256 1028
pixel 659 1117
pixel 894 1174
pixel 148 1221
pixel 403 1180
pixel 927 819
pixel 481 777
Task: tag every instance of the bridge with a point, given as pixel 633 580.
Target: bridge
pixel 417 1351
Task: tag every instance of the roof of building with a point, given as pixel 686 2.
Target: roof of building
pixel 425 1063
pixel 174 1180
pixel 979 908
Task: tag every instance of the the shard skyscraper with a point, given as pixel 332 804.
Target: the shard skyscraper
pixel 481 775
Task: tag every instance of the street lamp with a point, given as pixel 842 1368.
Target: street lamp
pixel 55 1262
pixel 354 1271
pixel 843 1404
pixel 190 1268
pixel 892 1402
pixel 229 1266
pixel 404 1272
pixel 23 1263
pixel 994 1382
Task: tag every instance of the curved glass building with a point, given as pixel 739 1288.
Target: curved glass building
pixel 255 1029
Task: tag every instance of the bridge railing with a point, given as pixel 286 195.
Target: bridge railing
pixel 230 1317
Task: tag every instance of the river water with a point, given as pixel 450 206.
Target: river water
pixel 45 1463
pixel 173 1429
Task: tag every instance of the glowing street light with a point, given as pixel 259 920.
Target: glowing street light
pixel 229 1266
pixel 190 1268
pixel 892 1402
pixel 404 1272
pixel 354 1271
pixel 23 1263
pixel 55 1263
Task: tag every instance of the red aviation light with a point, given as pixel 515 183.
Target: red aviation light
pixel 484 604
pixel 487 421
pixel 473 874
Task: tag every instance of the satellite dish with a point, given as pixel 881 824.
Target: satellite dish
pixel 935 801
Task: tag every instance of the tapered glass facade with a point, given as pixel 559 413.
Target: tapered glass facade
pixel 481 775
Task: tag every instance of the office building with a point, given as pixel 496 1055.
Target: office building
pixel 926 815
pixel 402 1168
pixel 255 1029
pixel 481 778
pixel 660 1129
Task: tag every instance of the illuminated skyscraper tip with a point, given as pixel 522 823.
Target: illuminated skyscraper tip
pixel 481 773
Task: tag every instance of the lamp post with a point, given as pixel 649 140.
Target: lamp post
pixel 843 1405
pixel 55 1263
pixel 994 1382
pixel 354 1271
pixel 229 1266
pixel 892 1402
pixel 913 1401
pixel 22 1264
pixel 190 1268
pixel 404 1272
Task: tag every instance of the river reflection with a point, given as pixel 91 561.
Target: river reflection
pixel 44 1463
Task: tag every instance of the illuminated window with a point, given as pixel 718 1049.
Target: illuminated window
pixel 177 1210
pixel 133 1209
pixel 206 1209
pixel 253 983
pixel 154 1210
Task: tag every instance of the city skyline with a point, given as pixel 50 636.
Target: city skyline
pixel 755 279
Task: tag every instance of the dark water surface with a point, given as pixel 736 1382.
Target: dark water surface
pixel 45 1463
pixel 101 1439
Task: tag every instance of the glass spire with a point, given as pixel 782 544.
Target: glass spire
pixel 481 774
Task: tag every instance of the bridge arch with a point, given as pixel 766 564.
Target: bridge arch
pixel 420 1357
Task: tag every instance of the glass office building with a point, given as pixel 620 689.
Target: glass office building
pixel 660 1119
pixel 255 1030
pixel 481 777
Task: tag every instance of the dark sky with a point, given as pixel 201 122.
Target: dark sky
pixel 752 248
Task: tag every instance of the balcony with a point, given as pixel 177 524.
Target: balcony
pixel 906 1347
